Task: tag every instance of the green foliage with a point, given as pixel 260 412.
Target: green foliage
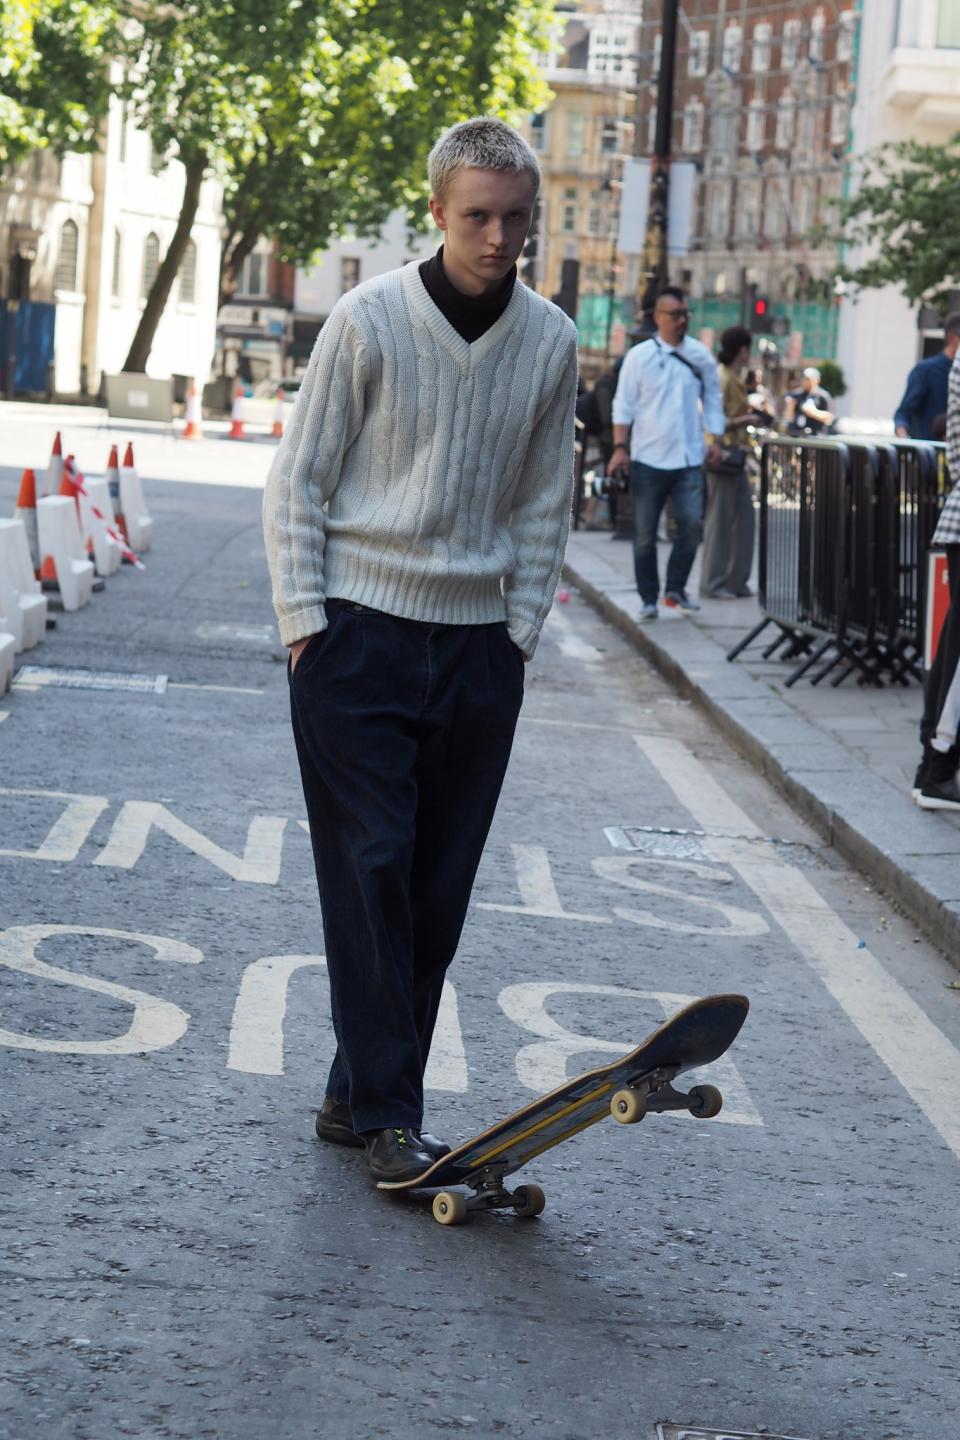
pixel 54 74
pixel 905 217
pixel 832 378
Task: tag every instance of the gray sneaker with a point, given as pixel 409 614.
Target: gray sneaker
pixel 649 611
pixel 680 600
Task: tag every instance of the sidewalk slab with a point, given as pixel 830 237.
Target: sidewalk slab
pixel 843 757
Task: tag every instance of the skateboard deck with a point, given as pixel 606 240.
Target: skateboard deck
pixel 637 1084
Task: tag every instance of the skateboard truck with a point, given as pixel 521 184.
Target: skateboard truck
pixel 654 1094
pixel 451 1207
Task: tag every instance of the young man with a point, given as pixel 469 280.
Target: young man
pixel 925 397
pixel 667 393
pixel 807 408
pixel 415 518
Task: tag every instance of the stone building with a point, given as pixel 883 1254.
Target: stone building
pixel 94 228
pixel 763 100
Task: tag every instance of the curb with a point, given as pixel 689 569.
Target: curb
pixel 853 809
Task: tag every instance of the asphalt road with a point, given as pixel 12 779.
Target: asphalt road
pixel 181 1258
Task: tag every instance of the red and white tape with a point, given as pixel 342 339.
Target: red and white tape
pixel 73 477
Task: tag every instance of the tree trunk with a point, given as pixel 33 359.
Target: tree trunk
pixel 233 263
pixel 160 290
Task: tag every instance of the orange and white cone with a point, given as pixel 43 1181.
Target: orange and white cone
pixel 194 427
pixel 26 510
pixel 236 431
pixel 50 482
pixel 279 415
pixel 113 485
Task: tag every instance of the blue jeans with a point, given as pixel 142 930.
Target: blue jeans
pixel 650 489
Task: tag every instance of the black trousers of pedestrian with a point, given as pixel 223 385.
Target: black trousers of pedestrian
pixel 941 702
pixel 403 731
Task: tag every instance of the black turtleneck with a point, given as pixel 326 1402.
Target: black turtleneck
pixel 470 315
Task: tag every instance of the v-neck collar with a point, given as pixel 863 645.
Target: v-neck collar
pixel 467 354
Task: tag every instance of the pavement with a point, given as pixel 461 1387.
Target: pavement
pixel 844 756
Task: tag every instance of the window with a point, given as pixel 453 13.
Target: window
pixel 117 259
pixel 818 26
pixel 538 131
pixel 66 276
pixel 122 137
pixel 839 119
pixel 786 109
pixel 699 53
pixel 574 134
pixel 693 117
pixel 774 211
pixel 155 159
pixel 188 275
pixel 723 131
pixel 803 205
pixel 807 133
pixel 732 48
pixel 568 223
pixel 790 48
pixel 948 25
pixel 719 211
pixel 748 208
pixel 595 215
pixel 756 125
pixel 608 138
pixel 845 33
pixel 151 264
pixel 760 56
pixel 38 164
pixel 253 274
pixel 657 53
pixel 349 273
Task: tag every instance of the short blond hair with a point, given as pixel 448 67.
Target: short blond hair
pixel 484 143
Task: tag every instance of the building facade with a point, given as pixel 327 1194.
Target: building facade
pixel 255 327
pixel 762 109
pixel 582 141
pixel 95 228
pixel 909 89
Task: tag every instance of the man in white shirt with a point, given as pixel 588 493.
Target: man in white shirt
pixel 667 394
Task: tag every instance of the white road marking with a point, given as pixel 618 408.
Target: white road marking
pixel 737 921
pixel 220 689
pixel 919 1055
pixel 155 1024
pixel 67 834
pixel 543 1065
pixel 260 864
pixel 538 893
pixel 4 715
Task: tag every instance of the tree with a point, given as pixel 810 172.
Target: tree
pixel 318 114
pixel 904 217
pixel 54 74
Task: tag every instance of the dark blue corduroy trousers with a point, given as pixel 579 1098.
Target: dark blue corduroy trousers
pixel 403 731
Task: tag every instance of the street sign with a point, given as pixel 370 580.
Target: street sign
pixel 635 202
pixel 938 603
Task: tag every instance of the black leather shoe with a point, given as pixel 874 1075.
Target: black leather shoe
pixel 432 1145
pixel 396 1154
pixel 940 795
pixel 334 1124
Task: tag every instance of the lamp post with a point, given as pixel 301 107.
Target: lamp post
pixel 654 273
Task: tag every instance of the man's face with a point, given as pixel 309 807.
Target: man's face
pixel 671 318
pixel 809 384
pixel 485 216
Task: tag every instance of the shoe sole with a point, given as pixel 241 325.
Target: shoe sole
pixel 927 802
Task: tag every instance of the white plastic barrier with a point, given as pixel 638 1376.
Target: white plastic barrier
pixel 107 556
pixel 134 510
pixel 60 538
pixel 7 648
pixel 23 609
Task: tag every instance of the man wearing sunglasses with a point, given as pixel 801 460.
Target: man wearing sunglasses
pixel 668 394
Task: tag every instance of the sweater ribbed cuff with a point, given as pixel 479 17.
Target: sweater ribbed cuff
pixel 524 636
pixel 302 624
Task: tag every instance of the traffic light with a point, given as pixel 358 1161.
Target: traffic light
pixel 531 249
pixel 760 317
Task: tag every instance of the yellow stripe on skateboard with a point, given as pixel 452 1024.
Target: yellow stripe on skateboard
pixel 548 1120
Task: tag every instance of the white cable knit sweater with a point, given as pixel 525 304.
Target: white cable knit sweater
pixel 421 474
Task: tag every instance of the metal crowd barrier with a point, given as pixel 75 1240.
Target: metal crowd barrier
pixel 844 529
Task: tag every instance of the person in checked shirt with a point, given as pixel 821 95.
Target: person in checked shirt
pixel 935 786
pixel 667 394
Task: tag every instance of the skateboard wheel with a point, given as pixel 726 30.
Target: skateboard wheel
pixel 628 1106
pixel 705 1101
pixel 528 1200
pixel 450 1208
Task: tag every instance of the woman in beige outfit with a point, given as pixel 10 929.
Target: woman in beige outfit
pixel 730 523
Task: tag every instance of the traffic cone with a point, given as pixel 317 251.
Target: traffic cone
pixel 236 431
pixel 26 510
pixel 71 479
pixel 50 483
pixel 279 415
pixel 113 485
pixel 194 428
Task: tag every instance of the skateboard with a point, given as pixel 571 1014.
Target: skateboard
pixel 638 1084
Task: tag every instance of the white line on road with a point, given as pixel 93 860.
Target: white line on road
pixel 920 1056
pixel 223 689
